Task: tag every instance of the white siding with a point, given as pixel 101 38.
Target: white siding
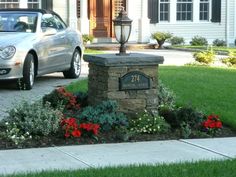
pixel 206 29
pixel 61 7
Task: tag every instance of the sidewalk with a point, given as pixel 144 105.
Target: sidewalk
pixel 103 155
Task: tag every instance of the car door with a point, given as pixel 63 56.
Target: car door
pixel 51 47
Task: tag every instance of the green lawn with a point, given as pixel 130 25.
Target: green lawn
pixel 221 49
pixel 198 169
pixel 211 90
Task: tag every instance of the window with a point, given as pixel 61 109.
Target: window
pixel 9 4
pixel 33 4
pixel 204 10
pixel 164 10
pixel 184 10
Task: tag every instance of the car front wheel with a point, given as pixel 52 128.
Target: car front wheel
pixel 27 82
pixel 75 67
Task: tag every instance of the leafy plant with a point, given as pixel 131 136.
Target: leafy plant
pixel 206 57
pixel 175 40
pixel 161 37
pixel 87 38
pixel 165 96
pixel 104 114
pixel 147 123
pixel 219 43
pixel 60 97
pixel 35 119
pixel 198 41
pixel 230 61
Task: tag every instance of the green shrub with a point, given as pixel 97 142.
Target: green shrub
pixel 104 114
pixel 82 98
pixel 230 61
pixel 55 99
pixel 187 115
pixel 87 38
pixel 161 37
pixel 175 40
pixel 147 123
pixel 219 43
pixel 198 41
pixel 36 119
pixel 165 96
pixel 206 57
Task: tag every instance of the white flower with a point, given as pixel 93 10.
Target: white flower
pixel 6 123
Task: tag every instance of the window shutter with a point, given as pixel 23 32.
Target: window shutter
pixel 216 11
pixel 153 11
pixel 47 4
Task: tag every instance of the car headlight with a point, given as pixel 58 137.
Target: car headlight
pixel 7 52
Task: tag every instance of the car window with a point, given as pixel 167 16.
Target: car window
pixel 52 21
pixel 18 22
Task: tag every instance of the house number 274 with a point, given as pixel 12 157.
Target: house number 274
pixel 135 78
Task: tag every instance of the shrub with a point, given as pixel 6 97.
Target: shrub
pixel 198 41
pixel 206 57
pixel 230 61
pixel 219 43
pixel 175 40
pixel 35 119
pixel 151 124
pixel 60 97
pixel 87 38
pixel 177 116
pixel 82 98
pixel 165 96
pixel 104 114
pixel 161 37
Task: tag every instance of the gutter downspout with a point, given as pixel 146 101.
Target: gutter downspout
pixel 227 24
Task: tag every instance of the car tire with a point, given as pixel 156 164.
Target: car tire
pixel 75 68
pixel 27 82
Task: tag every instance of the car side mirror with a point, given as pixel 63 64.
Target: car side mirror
pixel 49 31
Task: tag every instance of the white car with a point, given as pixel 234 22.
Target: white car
pixel 34 42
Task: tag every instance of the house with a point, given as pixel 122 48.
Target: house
pixel 213 19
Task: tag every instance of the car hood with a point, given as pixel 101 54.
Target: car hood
pixel 14 38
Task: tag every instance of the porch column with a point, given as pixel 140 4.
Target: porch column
pixel 83 21
pixel 72 14
pixel 144 23
pixel 23 4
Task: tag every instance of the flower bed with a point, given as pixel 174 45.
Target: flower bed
pixel 63 118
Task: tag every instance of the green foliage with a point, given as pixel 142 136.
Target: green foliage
pixel 165 96
pixel 34 119
pixel 206 57
pixel 187 115
pixel 175 40
pixel 82 98
pixel 219 43
pixel 104 114
pixel 231 60
pixel 87 38
pixel 161 37
pixel 55 99
pixel 198 41
pixel 147 123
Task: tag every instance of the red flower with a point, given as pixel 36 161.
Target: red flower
pixel 76 133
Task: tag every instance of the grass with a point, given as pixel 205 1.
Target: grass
pixel 81 85
pixel 197 169
pixel 216 49
pixel 92 51
pixel 211 90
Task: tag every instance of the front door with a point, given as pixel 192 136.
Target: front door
pixel 101 14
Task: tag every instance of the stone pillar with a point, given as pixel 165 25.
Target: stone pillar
pixel 72 14
pixel 83 21
pixel 130 80
pixel 144 23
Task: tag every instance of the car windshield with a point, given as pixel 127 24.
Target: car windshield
pixel 18 22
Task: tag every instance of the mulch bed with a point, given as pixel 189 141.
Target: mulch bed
pixel 110 137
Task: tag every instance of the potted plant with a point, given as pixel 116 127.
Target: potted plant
pixel 161 37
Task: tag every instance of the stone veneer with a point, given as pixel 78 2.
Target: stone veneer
pixel 103 80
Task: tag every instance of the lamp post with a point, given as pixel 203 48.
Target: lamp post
pixel 122 28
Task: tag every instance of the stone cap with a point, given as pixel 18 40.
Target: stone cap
pixel 134 59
